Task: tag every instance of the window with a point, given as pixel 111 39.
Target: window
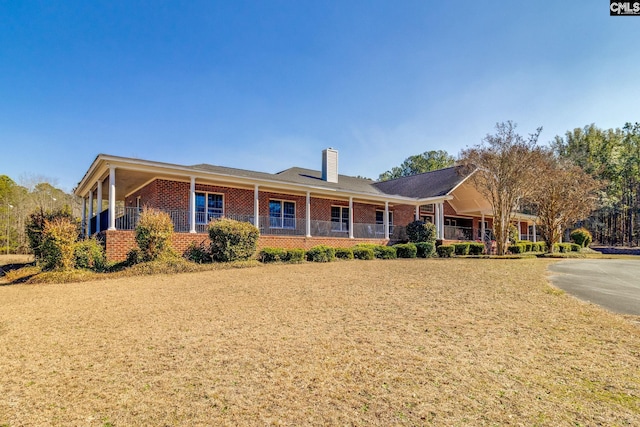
pixel 282 214
pixel 450 222
pixel 380 222
pixel 208 207
pixel 427 208
pixel 426 218
pixel 339 218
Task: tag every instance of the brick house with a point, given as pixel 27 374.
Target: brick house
pixel 294 208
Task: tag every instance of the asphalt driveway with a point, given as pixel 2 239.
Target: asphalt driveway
pixel 611 283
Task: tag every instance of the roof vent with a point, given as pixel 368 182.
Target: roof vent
pixel 330 165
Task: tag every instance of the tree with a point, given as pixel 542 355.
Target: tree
pixel 505 166
pixel 420 163
pixel 563 195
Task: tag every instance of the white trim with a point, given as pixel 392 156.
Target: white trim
pixel 112 198
pixel 142 186
pixel 307 214
pixel 386 220
pixel 351 217
pixel 192 205
pixel 100 197
pixel 256 206
pixel 390 213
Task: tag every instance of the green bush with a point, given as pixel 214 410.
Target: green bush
pixel 516 248
pixel 445 251
pixel 59 237
pixel 581 236
pixel 344 253
pixel 476 248
pixel 542 246
pixel 461 248
pixel 34 226
pixel 362 253
pixel 232 240
pixel 575 247
pixel 528 246
pixel 294 256
pixel 418 231
pixel 425 249
pixel 134 256
pixel 198 253
pixel 321 253
pixel 153 233
pixel 406 250
pixel 89 254
pixel 566 247
pixel 379 251
pixel 513 233
pixel 268 255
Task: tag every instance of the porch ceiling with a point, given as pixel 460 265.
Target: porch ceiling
pixel 127 181
pixel 468 200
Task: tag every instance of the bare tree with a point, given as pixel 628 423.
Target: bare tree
pixel 505 167
pixel 563 195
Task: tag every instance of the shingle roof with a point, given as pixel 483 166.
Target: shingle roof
pixel 429 184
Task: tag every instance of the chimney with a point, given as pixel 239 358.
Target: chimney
pixel 330 165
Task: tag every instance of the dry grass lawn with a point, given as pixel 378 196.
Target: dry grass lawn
pixel 406 342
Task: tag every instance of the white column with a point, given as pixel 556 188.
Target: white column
pixel 307 214
pixel 192 205
pixel 482 229
pixel 256 206
pixel 350 217
pixel 436 220
pixel 386 220
pixel 98 225
pixel 89 230
pixel 534 232
pixel 519 230
pixel 112 198
pixel 442 219
pixel 417 212
pixel 84 216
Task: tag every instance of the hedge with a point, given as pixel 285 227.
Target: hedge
pixel 321 253
pixel 425 249
pixel 476 248
pixel 461 248
pixel 344 253
pixel 445 251
pixel 406 250
pixel 232 240
pixel 362 253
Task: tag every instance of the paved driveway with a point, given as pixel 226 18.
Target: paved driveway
pixel 611 283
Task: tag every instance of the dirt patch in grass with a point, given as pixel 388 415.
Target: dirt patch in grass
pixel 405 342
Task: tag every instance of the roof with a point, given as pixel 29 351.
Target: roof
pixel 429 184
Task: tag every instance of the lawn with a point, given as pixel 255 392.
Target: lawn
pixel 405 342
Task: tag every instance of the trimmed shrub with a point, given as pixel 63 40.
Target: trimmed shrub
pixel 445 251
pixel 528 246
pixel 565 247
pixel 418 231
pixel 321 253
pixel 59 237
pixel 153 233
pixel 344 253
pixel 542 246
pixel 425 249
pixel 516 248
pixel 232 240
pixel 34 226
pixel 197 253
pixel 476 248
pixel 89 254
pixel 134 256
pixel 268 255
pixel 385 252
pixel 362 253
pixel 575 247
pixel 406 250
pixel 581 236
pixel 294 256
pixel 461 248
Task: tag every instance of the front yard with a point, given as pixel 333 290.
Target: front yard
pixel 403 342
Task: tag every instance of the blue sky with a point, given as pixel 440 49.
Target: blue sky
pixel 266 85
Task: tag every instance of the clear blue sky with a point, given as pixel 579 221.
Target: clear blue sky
pixel 266 84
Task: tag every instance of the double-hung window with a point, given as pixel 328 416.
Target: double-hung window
pixel 282 214
pixel 380 222
pixel 339 218
pixel 208 207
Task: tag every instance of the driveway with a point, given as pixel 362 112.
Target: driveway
pixel 611 283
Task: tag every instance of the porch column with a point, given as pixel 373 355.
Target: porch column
pixel 417 212
pixel 350 217
pixel 307 214
pixel 534 232
pixel 112 198
pixel 89 231
pixel 84 216
pixel 519 230
pixel 192 205
pixel 386 220
pixel 256 206
pixel 442 219
pixel 483 231
pixel 98 225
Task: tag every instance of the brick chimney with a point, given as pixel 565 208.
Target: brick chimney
pixel 330 165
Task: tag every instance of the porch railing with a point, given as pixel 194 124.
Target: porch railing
pixel 458 233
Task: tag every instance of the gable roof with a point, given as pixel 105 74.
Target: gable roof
pixel 436 183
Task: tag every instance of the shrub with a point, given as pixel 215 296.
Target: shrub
pixel 513 233
pixel 581 236
pixel 294 255
pixel 268 255
pixel 425 249
pixel 528 246
pixel 565 247
pixel 362 253
pixel 153 233
pixel 58 241
pixel 476 248
pixel 461 248
pixel 418 231
pixel 134 256
pixel 542 246
pixel 232 240
pixel 406 250
pixel 516 248
pixel 198 253
pixel 385 252
pixel 575 247
pixel 445 251
pixel 89 254
pixel 35 225
pixel 321 253
pixel 344 253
